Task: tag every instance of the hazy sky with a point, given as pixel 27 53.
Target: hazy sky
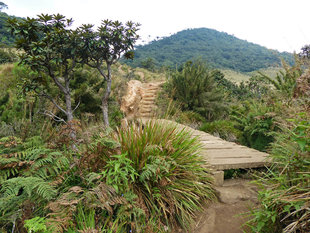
pixel 275 24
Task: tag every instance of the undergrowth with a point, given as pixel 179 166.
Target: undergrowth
pixel 284 194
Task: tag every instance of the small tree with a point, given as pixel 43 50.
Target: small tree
pixel 3 6
pixel 50 49
pixel 104 47
pixel 195 89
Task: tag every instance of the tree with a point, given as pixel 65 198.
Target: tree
pixel 50 49
pixel 305 52
pixel 104 47
pixel 285 81
pixel 195 89
pixel 3 6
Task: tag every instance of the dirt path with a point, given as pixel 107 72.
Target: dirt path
pixel 236 196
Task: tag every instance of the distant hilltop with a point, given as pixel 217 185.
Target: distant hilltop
pixel 218 49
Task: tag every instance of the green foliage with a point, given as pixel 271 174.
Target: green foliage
pixel 107 43
pixel 195 89
pixel 285 81
pixel 257 124
pixel 6 38
pixel 119 173
pixel 155 182
pixel 285 188
pixel 170 177
pixel 36 224
pixel 7 55
pixel 224 129
pixel 85 219
pixel 26 174
pixel 219 49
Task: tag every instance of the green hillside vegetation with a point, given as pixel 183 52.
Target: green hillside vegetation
pixel 218 49
pixel 235 76
pixel 239 77
pixel 138 178
pixel 6 39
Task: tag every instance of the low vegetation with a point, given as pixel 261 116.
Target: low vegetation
pixel 140 177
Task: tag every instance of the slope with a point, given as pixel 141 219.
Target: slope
pixel 6 38
pixel 219 49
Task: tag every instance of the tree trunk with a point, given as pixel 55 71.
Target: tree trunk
pixel 69 114
pixel 105 104
pixel 105 98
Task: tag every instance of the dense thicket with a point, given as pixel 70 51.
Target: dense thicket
pixel 219 49
pixel 5 36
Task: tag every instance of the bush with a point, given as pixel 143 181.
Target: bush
pixel 195 89
pixel 257 123
pixel 7 56
pixel 169 177
pixel 28 172
pixel 285 193
pixel 148 179
pixel 224 129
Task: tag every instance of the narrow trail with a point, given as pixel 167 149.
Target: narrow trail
pixel 228 215
pixel 235 196
pixel 147 104
pixel 139 102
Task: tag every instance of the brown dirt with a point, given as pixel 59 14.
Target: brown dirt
pixel 139 102
pixel 236 197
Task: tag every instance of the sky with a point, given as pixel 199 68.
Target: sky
pixel 282 25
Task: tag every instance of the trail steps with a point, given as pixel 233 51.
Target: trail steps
pixel 147 104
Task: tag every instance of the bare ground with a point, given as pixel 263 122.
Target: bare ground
pixel 236 197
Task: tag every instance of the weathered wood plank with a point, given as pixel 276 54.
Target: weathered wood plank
pixel 223 155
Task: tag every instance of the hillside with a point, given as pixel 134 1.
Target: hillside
pixel 219 49
pixel 5 36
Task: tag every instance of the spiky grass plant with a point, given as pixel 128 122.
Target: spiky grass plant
pixel 285 190
pixel 172 181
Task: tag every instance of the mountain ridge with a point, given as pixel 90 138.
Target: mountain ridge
pixel 218 49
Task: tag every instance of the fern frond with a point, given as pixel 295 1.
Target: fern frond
pixel 32 186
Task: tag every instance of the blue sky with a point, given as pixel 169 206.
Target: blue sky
pixel 275 24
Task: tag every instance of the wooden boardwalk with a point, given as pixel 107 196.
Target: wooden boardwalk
pixel 223 155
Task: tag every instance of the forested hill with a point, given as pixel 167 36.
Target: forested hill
pixel 5 37
pixel 219 49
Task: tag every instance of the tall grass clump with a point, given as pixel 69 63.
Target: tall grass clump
pixel 169 176
pixel 141 178
pixel 285 189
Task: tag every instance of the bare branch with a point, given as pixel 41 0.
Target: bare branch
pixel 53 116
pixel 76 106
pixel 57 82
pixel 53 101
pixel 102 73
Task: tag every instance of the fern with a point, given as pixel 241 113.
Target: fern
pixel 31 186
pixel 39 162
pixel 29 173
pixel 36 224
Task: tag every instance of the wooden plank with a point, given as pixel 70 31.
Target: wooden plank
pixel 223 155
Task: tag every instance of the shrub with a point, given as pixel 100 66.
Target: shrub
pixel 7 55
pixel 169 180
pixel 27 173
pixel 285 193
pixel 150 179
pixel 195 89
pixel 257 123
pixel 224 129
